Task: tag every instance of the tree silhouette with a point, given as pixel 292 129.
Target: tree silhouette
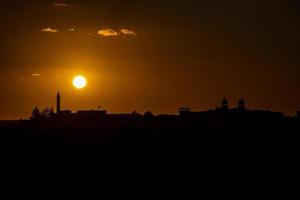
pixel 35 114
pixel 148 115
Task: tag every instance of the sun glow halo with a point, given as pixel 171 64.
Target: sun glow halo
pixel 79 82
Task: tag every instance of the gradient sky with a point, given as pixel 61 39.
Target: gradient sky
pixel 145 55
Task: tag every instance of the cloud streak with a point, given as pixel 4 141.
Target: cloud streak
pixel 108 32
pixel 62 5
pixel 113 33
pixel 127 32
pixel 49 30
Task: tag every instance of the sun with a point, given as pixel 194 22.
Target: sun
pixel 79 82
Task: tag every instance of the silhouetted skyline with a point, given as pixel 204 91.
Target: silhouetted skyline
pixel 134 137
pixel 98 116
pixel 146 55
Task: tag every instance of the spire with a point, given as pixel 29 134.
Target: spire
pixel 58 103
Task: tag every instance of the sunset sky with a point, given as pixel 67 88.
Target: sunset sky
pixel 155 55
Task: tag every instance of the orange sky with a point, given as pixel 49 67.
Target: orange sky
pixel 149 55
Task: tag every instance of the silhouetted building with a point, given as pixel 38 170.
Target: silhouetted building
pixel 58 103
pixel 225 105
pixel 298 114
pixel 242 104
pixel 184 111
pixel 48 112
pixel 124 117
pixel 65 114
pixel 91 114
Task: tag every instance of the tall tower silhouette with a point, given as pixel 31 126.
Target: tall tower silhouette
pixel 58 103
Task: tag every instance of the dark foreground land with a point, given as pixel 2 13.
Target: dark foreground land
pixel 217 138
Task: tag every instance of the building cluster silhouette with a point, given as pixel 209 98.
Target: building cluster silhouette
pixel 223 111
pixel 48 113
pixel 145 135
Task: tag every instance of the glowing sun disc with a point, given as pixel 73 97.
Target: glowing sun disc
pixel 79 82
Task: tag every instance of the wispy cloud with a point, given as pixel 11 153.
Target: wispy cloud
pixel 49 30
pixel 36 75
pixel 61 4
pixel 108 32
pixel 113 33
pixel 128 32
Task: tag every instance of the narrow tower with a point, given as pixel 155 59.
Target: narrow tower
pixel 58 103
